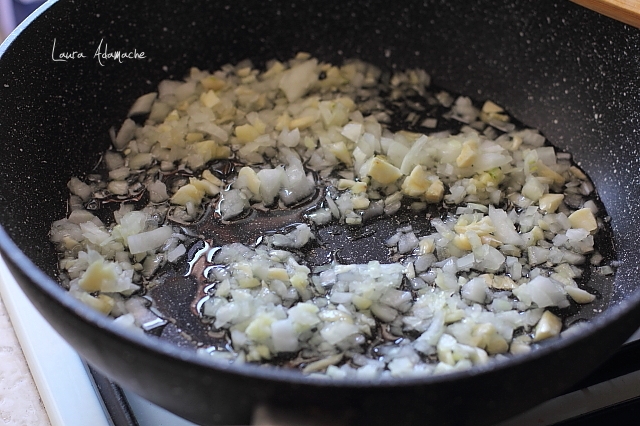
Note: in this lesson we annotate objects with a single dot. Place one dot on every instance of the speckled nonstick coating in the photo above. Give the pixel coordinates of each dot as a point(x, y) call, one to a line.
point(553, 65)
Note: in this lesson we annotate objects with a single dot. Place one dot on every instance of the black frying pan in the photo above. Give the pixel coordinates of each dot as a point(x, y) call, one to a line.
point(555, 66)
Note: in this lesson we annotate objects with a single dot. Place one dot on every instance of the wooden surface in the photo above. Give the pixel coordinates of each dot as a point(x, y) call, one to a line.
point(627, 11)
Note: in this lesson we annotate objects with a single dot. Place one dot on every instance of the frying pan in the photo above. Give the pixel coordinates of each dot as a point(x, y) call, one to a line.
point(555, 66)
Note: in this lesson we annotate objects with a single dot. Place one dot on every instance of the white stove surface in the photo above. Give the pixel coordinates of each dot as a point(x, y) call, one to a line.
point(63, 381)
point(71, 399)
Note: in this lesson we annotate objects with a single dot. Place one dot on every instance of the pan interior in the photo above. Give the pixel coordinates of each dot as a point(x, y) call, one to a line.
point(570, 74)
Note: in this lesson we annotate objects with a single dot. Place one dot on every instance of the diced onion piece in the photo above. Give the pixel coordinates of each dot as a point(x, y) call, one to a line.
point(157, 191)
point(283, 336)
point(271, 181)
point(188, 194)
point(297, 80)
point(80, 216)
point(352, 131)
point(505, 230)
point(98, 275)
point(143, 104)
point(125, 134)
point(140, 161)
point(579, 295)
point(550, 202)
point(381, 170)
point(118, 187)
point(583, 218)
point(542, 291)
point(79, 188)
point(468, 153)
point(176, 253)
point(533, 189)
point(335, 332)
point(475, 290)
point(548, 326)
point(232, 204)
point(101, 303)
point(150, 240)
point(248, 178)
point(322, 364)
point(209, 99)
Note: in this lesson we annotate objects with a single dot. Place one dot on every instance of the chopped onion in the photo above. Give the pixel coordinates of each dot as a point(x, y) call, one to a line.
point(145, 241)
point(505, 244)
point(143, 104)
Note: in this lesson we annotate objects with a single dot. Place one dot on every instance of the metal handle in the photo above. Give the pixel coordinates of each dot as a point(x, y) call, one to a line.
point(627, 11)
point(268, 415)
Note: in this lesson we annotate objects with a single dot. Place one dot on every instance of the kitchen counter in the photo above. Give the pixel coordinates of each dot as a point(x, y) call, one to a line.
point(20, 402)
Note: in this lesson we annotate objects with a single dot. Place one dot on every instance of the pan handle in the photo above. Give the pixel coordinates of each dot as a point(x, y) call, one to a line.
point(627, 11)
point(268, 415)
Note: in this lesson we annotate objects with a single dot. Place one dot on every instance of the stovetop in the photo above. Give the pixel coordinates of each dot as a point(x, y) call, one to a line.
point(610, 394)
